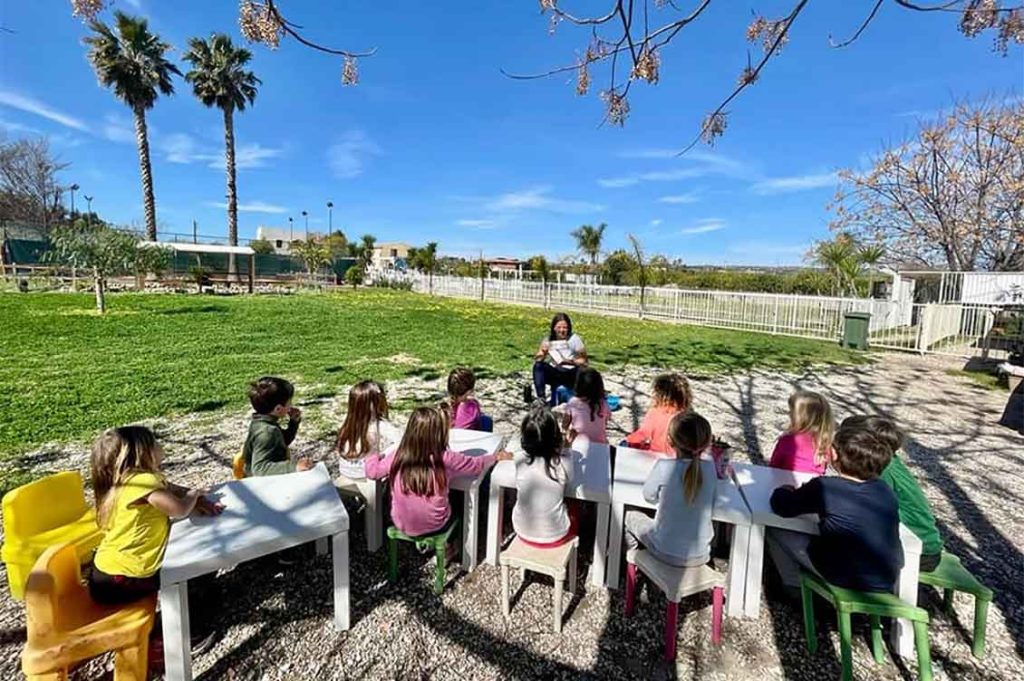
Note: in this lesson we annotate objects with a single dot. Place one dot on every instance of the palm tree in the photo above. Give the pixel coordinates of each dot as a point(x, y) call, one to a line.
point(845, 260)
point(588, 241)
point(219, 78)
point(132, 62)
point(367, 242)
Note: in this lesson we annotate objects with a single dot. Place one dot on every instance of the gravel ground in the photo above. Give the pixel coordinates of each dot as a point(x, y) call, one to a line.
point(276, 623)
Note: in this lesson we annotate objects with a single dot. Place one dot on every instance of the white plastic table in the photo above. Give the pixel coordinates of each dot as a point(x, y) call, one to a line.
point(757, 483)
point(261, 515)
point(471, 443)
point(590, 481)
point(632, 467)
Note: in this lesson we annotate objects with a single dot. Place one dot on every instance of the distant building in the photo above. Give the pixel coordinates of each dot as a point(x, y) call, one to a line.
point(504, 264)
point(279, 237)
point(390, 256)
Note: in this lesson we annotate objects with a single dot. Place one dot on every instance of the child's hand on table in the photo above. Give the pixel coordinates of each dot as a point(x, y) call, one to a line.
point(303, 464)
point(503, 455)
point(206, 506)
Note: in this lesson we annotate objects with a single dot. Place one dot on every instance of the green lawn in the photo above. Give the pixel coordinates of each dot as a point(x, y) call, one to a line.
point(67, 372)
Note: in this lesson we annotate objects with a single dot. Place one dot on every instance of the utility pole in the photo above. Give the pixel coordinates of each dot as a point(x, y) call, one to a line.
point(305, 215)
point(330, 217)
point(195, 231)
point(88, 202)
point(291, 232)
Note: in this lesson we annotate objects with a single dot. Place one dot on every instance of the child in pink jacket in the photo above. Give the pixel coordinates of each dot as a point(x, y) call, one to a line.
point(419, 470)
point(670, 396)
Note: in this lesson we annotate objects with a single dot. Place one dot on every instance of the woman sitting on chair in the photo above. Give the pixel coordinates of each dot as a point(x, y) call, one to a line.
point(558, 358)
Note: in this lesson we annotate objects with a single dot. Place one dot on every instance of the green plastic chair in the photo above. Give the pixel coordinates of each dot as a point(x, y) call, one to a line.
point(950, 576)
point(438, 542)
point(875, 606)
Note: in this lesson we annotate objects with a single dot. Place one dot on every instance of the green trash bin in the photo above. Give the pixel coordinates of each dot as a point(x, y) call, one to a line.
point(855, 330)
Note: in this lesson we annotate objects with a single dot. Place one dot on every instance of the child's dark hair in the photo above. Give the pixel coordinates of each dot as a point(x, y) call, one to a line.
point(690, 434)
point(860, 452)
point(540, 437)
point(269, 392)
point(883, 428)
point(672, 390)
point(590, 388)
point(460, 381)
point(560, 317)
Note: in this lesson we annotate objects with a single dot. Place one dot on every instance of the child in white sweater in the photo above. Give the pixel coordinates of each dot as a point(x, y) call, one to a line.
point(540, 517)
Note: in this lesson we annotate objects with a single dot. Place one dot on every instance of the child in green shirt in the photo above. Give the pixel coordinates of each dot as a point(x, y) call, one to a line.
point(915, 511)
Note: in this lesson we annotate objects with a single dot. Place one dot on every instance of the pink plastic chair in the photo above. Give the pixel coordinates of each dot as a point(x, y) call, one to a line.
point(677, 583)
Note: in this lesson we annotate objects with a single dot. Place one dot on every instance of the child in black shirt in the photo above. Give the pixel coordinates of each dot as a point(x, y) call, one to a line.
point(859, 545)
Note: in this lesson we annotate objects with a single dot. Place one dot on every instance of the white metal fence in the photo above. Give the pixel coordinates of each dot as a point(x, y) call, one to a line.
point(958, 329)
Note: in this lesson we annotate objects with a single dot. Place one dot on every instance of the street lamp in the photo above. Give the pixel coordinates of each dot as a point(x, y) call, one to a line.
point(88, 203)
point(74, 188)
point(306, 216)
point(330, 217)
point(291, 235)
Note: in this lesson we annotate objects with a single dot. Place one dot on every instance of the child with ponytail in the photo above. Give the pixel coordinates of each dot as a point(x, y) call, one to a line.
point(680, 533)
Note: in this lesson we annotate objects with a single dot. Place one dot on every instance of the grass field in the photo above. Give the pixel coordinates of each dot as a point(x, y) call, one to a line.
point(67, 372)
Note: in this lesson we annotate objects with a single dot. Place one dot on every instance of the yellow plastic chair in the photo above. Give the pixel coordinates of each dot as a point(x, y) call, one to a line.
point(66, 627)
point(43, 513)
point(238, 465)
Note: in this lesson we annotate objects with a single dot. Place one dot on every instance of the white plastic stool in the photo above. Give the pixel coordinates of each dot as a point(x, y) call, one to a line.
point(677, 583)
point(373, 492)
point(550, 561)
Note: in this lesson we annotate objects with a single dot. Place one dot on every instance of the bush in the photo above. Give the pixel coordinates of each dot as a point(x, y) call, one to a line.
point(397, 284)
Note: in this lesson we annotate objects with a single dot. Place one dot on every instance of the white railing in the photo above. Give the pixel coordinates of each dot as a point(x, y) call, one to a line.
point(960, 329)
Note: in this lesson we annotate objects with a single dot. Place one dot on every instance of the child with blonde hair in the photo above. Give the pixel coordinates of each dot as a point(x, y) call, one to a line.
point(419, 470)
point(366, 429)
point(680, 533)
point(134, 507)
point(671, 395)
point(806, 446)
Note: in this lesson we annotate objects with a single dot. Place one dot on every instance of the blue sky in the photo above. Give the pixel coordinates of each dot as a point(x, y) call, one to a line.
point(435, 144)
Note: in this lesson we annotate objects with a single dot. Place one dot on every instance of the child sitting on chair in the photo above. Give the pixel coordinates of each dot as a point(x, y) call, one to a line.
point(671, 395)
point(464, 408)
point(266, 447)
point(419, 470)
point(806, 446)
point(859, 543)
point(134, 506)
point(681, 531)
point(915, 511)
point(587, 412)
point(365, 431)
point(540, 517)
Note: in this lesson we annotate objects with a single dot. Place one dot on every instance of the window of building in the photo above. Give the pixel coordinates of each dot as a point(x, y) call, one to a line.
point(278, 242)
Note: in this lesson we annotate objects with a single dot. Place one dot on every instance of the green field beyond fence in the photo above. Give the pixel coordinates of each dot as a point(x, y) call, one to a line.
point(67, 372)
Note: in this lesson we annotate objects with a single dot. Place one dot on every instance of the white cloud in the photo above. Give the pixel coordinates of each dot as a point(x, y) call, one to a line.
point(477, 224)
point(796, 183)
point(649, 153)
point(180, 147)
point(118, 129)
point(349, 155)
point(251, 207)
point(679, 198)
point(12, 126)
point(27, 104)
point(704, 226)
point(616, 182)
point(655, 222)
point(538, 198)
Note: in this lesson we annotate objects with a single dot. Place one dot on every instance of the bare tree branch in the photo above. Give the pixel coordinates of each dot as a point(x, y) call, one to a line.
point(863, 26)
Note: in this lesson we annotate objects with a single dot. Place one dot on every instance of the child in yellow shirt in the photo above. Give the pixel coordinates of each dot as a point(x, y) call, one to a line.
point(134, 505)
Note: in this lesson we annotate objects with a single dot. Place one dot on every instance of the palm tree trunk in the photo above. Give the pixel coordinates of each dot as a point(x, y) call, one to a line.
point(229, 166)
point(146, 171)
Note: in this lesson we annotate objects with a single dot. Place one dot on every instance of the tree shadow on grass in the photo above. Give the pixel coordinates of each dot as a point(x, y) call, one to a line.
point(202, 309)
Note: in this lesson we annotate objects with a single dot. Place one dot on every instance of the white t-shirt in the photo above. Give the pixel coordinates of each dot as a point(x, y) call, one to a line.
point(382, 435)
point(564, 350)
point(540, 515)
